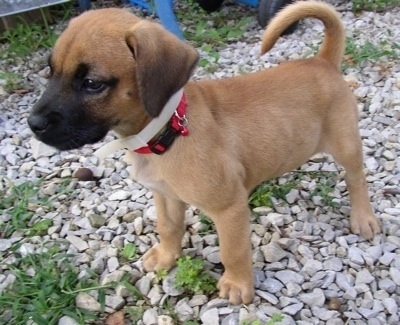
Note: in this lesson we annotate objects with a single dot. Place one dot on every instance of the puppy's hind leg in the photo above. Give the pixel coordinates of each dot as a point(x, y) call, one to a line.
point(344, 143)
point(171, 228)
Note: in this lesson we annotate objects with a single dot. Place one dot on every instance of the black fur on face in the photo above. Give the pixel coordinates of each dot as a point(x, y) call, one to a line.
point(65, 115)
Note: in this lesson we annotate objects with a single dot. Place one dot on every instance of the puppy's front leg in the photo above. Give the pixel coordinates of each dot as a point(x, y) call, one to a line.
point(233, 227)
point(170, 227)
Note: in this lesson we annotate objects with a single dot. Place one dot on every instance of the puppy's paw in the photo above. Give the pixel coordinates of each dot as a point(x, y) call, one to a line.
point(158, 258)
point(238, 292)
point(366, 225)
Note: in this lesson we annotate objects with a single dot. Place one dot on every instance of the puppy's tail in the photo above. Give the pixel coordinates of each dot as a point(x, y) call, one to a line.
point(332, 48)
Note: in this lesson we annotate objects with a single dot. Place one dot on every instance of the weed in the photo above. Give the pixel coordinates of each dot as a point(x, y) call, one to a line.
point(129, 251)
point(192, 277)
point(190, 322)
point(160, 275)
point(275, 319)
point(27, 37)
point(45, 287)
point(324, 189)
point(210, 31)
point(207, 224)
point(355, 54)
point(263, 194)
point(373, 5)
point(19, 201)
point(12, 81)
point(135, 313)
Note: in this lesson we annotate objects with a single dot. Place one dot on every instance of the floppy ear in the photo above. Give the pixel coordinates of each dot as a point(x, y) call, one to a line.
point(164, 63)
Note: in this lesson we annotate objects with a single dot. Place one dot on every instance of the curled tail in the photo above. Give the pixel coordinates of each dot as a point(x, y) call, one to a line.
point(332, 48)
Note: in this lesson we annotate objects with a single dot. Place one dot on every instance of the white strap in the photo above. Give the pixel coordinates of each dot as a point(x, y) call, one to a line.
point(141, 139)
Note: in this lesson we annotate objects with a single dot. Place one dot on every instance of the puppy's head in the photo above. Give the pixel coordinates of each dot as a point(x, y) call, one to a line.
point(109, 70)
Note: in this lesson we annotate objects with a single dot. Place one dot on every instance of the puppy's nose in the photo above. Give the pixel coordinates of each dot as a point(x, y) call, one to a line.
point(38, 124)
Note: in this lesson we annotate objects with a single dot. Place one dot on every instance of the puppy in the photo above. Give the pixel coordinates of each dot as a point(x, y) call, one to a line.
point(206, 143)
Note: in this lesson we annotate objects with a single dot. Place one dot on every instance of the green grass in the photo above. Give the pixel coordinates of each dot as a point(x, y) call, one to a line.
point(20, 201)
point(45, 288)
point(266, 192)
point(356, 54)
point(11, 80)
point(210, 31)
point(192, 277)
point(28, 37)
point(373, 5)
point(129, 251)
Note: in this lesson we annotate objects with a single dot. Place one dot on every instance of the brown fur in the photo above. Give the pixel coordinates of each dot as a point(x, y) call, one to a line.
point(243, 130)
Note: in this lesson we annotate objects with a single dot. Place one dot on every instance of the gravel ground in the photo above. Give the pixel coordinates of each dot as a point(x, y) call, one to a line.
point(308, 266)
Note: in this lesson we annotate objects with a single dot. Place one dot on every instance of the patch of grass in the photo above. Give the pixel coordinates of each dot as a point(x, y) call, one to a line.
point(192, 277)
point(373, 5)
point(11, 80)
point(207, 224)
point(161, 275)
point(20, 203)
point(45, 288)
point(275, 319)
point(129, 251)
point(356, 54)
point(210, 31)
point(263, 194)
point(324, 189)
point(135, 313)
point(27, 37)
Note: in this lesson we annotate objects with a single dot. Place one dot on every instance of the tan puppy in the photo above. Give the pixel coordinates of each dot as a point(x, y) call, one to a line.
point(111, 70)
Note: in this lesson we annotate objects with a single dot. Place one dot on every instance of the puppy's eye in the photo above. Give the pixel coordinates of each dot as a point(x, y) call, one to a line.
point(93, 86)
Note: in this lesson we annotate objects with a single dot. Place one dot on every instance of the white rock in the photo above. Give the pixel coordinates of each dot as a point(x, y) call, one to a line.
point(85, 301)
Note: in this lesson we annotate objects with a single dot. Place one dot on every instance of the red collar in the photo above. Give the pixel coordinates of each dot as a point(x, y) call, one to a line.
point(177, 125)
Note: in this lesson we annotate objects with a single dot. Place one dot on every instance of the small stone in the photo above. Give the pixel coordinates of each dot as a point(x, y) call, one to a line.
point(286, 276)
point(395, 275)
point(368, 313)
point(66, 320)
point(334, 304)
point(323, 313)
point(312, 266)
point(387, 284)
point(77, 242)
point(115, 276)
point(150, 317)
point(119, 195)
point(390, 305)
point(210, 317)
point(112, 264)
point(293, 309)
point(115, 302)
point(85, 301)
point(97, 220)
point(267, 296)
point(364, 276)
point(273, 252)
point(183, 309)
point(143, 285)
point(314, 298)
point(97, 265)
point(271, 285)
point(165, 320)
point(83, 174)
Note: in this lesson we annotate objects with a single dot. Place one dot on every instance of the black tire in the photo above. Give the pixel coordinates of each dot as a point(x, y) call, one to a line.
point(268, 9)
point(210, 5)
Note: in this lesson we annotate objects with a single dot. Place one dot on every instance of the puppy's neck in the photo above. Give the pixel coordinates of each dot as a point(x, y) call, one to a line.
point(149, 132)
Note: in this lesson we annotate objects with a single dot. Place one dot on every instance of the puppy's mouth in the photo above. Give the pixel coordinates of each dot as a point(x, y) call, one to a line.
point(63, 135)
